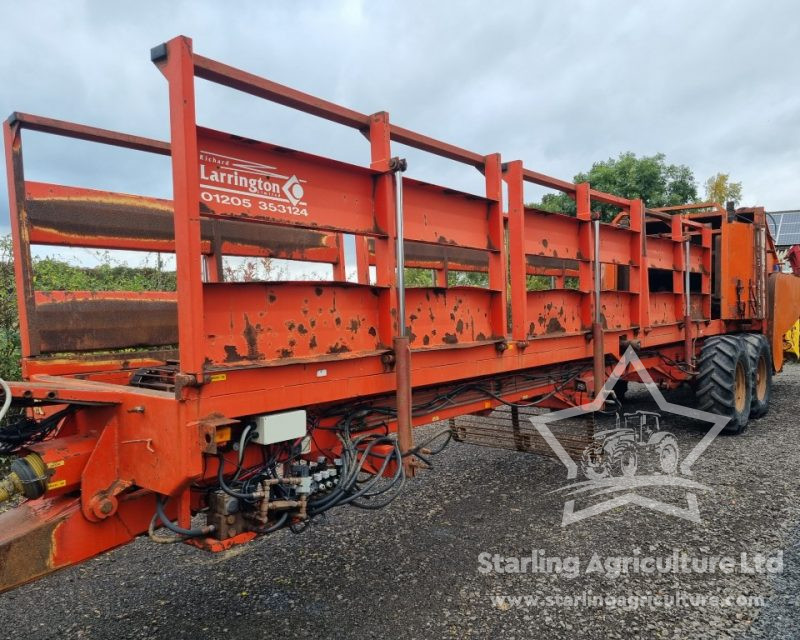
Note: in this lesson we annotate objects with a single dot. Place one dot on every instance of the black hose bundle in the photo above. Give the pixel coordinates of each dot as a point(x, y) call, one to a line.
point(363, 488)
point(181, 533)
point(20, 430)
point(367, 455)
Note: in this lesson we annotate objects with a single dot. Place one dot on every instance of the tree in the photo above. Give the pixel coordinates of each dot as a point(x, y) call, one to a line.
point(720, 189)
point(649, 177)
point(9, 318)
point(52, 274)
point(415, 277)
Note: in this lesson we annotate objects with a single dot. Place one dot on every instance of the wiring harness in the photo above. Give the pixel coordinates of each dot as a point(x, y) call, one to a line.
point(364, 468)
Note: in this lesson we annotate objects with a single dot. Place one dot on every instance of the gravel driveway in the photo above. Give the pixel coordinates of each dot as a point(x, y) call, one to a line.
point(412, 570)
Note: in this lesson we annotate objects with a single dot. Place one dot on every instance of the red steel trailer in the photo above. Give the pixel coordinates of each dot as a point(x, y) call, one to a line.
point(260, 405)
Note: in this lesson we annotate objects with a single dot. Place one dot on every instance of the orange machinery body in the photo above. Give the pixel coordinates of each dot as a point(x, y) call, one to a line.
point(160, 379)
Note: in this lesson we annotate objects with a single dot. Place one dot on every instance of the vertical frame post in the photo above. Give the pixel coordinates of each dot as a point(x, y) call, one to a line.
point(362, 259)
point(23, 267)
point(641, 276)
point(440, 276)
point(400, 251)
point(340, 266)
point(585, 278)
point(680, 282)
point(516, 248)
point(402, 346)
point(214, 269)
point(678, 265)
point(497, 259)
point(391, 327)
point(687, 319)
point(589, 277)
point(598, 342)
point(176, 63)
point(385, 258)
point(705, 288)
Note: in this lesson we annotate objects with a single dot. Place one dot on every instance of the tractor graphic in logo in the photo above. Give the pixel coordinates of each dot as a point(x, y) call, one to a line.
point(637, 441)
point(637, 462)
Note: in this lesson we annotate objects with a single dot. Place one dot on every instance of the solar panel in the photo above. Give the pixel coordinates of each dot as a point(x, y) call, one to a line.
point(784, 227)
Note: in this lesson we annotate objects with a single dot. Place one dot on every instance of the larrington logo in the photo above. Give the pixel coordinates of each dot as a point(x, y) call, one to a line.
point(243, 183)
point(613, 460)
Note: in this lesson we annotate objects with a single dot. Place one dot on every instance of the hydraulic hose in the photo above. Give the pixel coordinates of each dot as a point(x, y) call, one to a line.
point(225, 487)
point(188, 533)
point(6, 399)
point(281, 521)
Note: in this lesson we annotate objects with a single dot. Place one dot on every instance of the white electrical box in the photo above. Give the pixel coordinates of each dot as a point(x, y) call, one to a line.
point(279, 427)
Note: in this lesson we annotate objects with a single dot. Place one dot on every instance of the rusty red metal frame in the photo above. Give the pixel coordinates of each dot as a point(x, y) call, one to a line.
point(49, 214)
point(254, 348)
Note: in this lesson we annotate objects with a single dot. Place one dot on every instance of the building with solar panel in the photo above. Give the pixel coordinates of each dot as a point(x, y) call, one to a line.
point(785, 229)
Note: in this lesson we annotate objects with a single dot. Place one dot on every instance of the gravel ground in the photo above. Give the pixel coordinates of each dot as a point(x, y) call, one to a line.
point(412, 570)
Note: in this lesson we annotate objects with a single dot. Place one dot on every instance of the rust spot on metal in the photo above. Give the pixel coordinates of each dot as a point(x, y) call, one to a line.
point(480, 336)
point(450, 338)
point(231, 354)
point(338, 348)
point(426, 340)
point(28, 554)
point(251, 338)
point(460, 326)
point(301, 329)
point(97, 214)
point(286, 353)
point(554, 326)
point(318, 291)
point(115, 324)
point(272, 297)
point(313, 342)
point(372, 331)
point(355, 325)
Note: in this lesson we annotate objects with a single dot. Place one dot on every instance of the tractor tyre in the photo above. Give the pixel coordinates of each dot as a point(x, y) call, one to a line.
point(724, 381)
point(593, 465)
point(758, 353)
point(628, 462)
point(668, 454)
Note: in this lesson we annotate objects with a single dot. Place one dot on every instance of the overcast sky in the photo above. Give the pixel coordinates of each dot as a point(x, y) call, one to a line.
point(713, 85)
